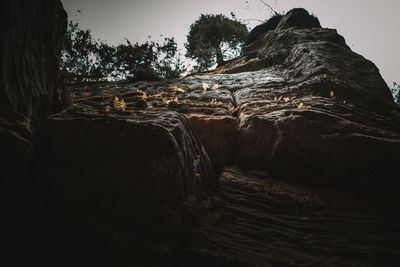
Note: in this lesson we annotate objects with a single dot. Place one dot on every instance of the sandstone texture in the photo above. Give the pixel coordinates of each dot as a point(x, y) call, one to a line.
point(285, 156)
point(304, 137)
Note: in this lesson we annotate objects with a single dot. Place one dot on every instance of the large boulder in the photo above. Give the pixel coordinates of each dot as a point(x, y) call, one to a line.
point(298, 17)
point(259, 30)
point(207, 102)
point(326, 118)
point(107, 167)
point(32, 33)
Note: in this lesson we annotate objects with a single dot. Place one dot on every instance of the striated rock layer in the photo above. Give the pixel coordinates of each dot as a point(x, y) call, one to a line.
point(129, 174)
point(304, 123)
point(330, 119)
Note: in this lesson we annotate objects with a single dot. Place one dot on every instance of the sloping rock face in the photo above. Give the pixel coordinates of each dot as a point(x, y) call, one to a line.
point(128, 171)
point(32, 33)
point(105, 164)
point(260, 221)
point(330, 119)
point(261, 29)
point(298, 17)
point(312, 137)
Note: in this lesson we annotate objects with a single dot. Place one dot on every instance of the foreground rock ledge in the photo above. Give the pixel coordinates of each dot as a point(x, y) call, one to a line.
point(105, 166)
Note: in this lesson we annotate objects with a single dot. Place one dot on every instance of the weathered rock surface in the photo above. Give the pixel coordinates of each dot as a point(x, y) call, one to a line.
point(32, 33)
point(302, 120)
point(261, 29)
point(260, 221)
point(109, 166)
point(207, 110)
point(329, 119)
point(298, 17)
point(305, 122)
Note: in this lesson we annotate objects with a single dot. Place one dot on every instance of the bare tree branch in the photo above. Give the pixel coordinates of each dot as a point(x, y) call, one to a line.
point(266, 4)
point(254, 20)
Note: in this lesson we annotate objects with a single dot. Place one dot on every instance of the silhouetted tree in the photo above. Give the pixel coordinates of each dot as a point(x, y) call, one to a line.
point(78, 58)
point(214, 38)
point(85, 59)
point(148, 61)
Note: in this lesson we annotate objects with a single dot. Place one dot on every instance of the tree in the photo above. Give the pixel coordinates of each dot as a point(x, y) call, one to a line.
point(85, 59)
point(79, 55)
point(148, 61)
point(213, 39)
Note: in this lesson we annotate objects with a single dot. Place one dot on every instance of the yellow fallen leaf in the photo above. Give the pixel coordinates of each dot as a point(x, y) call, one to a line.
point(108, 108)
point(344, 101)
point(205, 86)
point(116, 102)
point(176, 100)
point(119, 105)
point(231, 108)
point(301, 105)
point(122, 105)
point(178, 89)
point(293, 98)
point(332, 94)
point(144, 96)
point(275, 99)
point(279, 98)
point(286, 99)
point(215, 87)
point(215, 102)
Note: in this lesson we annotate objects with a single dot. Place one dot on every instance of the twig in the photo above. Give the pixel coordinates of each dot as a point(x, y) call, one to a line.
point(262, 1)
point(255, 20)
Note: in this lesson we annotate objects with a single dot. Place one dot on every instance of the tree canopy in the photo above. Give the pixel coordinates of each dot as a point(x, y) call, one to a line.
point(214, 39)
point(85, 59)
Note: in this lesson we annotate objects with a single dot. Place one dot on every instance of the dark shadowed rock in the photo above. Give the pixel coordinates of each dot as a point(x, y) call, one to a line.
point(218, 135)
point(259, 30)
point(109, 167)
point(31, 39)
point(330, 119)
point(31, 33)
point(260, 221)
point(305, 121)
point(298, 17)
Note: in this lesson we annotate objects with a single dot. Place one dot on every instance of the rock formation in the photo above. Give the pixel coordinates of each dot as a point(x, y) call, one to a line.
point(312, 133)
point(259, 30)
point(32, 34)
point(284, 156)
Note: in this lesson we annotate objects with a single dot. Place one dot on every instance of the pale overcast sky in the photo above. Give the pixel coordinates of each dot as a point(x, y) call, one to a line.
point(370, 27)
